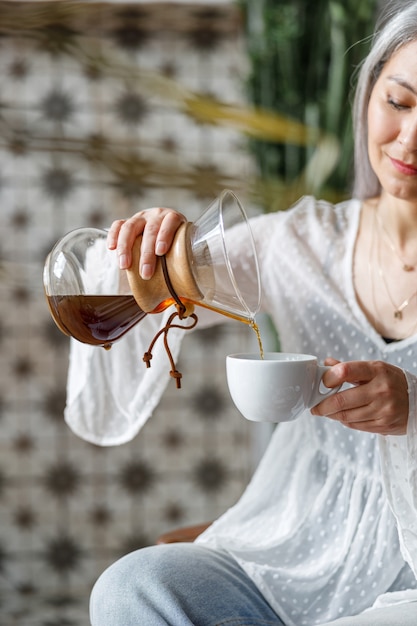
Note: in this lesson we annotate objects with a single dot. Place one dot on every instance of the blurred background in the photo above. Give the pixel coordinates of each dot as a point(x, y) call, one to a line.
point(107, 108)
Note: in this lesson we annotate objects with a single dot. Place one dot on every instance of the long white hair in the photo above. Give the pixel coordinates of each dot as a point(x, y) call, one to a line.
point(396, 26)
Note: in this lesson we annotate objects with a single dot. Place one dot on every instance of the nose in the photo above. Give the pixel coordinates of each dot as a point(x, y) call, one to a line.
point(408, 133)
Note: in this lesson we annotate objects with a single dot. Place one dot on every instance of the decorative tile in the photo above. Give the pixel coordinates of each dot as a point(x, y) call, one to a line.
point(83, 145)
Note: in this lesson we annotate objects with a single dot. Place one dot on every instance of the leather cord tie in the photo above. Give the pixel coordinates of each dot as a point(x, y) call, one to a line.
point(181, 314)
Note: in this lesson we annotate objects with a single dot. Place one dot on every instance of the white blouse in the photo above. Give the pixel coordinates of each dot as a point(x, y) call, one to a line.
point(327, 527)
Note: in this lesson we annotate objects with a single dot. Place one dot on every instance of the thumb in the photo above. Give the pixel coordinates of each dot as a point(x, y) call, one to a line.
point(332, 378)
point(330, 361)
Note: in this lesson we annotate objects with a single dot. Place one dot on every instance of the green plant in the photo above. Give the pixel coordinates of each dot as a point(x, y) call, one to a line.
point(303, 55)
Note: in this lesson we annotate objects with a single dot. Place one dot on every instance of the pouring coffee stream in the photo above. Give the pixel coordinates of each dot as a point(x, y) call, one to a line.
point(93, 301)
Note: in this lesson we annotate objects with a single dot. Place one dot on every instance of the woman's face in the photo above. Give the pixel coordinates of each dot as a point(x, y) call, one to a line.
point(392, 125)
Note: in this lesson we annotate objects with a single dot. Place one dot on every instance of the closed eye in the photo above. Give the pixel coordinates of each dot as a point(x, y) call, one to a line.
point(397, 105)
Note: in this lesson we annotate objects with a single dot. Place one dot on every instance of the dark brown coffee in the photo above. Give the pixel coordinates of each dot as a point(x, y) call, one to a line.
point(102, 320)
point(96, 320)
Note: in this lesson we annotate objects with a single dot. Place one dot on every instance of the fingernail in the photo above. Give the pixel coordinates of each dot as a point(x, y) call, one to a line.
point(146, 271)
point(123, 262)
point(160, 248)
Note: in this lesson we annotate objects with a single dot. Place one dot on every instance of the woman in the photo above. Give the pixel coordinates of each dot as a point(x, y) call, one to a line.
point(327, 527)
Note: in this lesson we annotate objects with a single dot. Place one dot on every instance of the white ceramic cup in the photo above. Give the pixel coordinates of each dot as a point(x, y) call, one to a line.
point(277, 388)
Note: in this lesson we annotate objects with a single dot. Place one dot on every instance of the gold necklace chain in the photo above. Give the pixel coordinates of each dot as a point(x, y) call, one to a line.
point(407, 267)
point(398, 310)
point(371, 275)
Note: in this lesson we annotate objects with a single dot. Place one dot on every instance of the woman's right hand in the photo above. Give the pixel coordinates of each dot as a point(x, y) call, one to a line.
point(157, 226)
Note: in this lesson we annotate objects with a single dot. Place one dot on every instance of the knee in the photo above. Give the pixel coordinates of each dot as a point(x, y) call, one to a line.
point(116, 593)
point(140, 583)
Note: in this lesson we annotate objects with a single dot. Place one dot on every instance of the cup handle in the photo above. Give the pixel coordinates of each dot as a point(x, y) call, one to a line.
point(320, 391)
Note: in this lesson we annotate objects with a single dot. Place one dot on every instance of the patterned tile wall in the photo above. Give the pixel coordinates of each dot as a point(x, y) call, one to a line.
point(93, 127)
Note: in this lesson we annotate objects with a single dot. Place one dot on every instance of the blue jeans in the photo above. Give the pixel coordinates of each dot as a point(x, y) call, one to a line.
point(180, 585)
point(185, 584)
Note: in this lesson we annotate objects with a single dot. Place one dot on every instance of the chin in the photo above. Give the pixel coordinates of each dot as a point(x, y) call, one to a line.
point(404, 189)
point(403, 194)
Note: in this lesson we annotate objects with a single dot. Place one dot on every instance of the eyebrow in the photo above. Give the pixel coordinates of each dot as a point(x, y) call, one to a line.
point(403, 83)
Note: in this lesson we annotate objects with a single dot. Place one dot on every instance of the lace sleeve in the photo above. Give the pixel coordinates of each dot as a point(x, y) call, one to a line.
point(111, 394)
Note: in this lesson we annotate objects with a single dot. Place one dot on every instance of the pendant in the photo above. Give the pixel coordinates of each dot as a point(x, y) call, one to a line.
point(398, 315)
point(408, 268)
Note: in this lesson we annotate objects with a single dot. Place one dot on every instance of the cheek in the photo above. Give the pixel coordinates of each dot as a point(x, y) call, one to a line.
point(381, 128)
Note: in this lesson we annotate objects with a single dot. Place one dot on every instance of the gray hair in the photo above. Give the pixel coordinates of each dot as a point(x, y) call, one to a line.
point(396, 27)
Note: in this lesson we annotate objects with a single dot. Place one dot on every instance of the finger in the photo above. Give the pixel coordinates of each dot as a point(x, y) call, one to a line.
point(354, 372)
point(346, 405)
point(376, 425)
point(330, 361)
point(128, 231)
point(113, 234)
point(166, 233)
point(156, 241)
point(146, 223)
point(375, 406)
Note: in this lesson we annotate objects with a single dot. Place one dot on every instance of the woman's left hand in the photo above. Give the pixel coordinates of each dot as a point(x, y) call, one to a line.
point(377, 402)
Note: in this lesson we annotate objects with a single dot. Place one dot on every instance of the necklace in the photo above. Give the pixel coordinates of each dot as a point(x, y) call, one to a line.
point(398, 308)
point(407, 267)
point(374, 260)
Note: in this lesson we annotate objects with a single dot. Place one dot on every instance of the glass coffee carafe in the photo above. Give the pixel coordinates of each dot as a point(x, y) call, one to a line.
point(95, 302)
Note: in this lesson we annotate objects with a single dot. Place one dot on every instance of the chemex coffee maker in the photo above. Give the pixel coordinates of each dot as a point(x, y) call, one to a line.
point(93, 301)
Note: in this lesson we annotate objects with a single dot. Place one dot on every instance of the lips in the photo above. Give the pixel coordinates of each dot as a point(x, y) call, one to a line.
point(404, 168)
